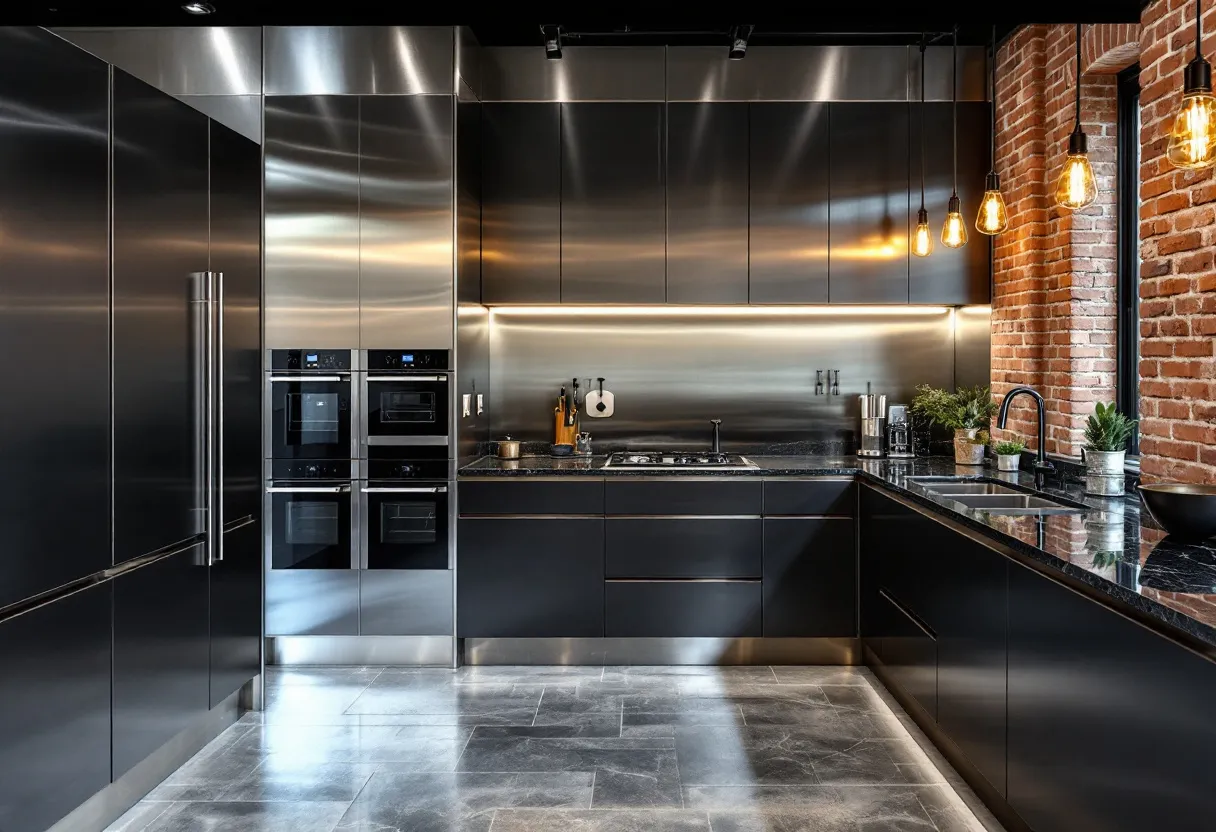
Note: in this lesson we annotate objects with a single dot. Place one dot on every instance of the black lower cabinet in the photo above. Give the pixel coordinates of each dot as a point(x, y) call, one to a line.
point(525, 577)
point(909, 651)
point(810, 577)
point(236, 612)
point(701, 547)
point(55, 713)
point(674, 609)
point(1110, 724)
point(161, 654)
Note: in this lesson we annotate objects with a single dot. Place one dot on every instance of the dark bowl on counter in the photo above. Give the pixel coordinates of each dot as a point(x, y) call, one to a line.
point(1186, 511)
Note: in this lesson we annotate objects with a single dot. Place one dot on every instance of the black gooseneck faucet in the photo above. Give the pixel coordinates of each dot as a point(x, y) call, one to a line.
point(1041, 466)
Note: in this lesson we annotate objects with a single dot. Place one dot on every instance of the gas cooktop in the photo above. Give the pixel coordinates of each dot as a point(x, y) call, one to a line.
point(683, 460)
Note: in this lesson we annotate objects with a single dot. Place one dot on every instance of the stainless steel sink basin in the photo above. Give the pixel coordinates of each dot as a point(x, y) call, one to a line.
point(994, 496)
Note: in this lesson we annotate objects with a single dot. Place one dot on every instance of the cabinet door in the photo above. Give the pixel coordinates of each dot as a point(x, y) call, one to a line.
point(521, 203)
point(614, 217)
point(909, 651)
point(951, 276)
point(1110, 724)
point(788, 202)
point(707, 176)
point(530, 578)
point(236, 611)
point(161, 654)
point(868, 257)
point(682, 609)
point(810, 577)
point(693, 547)
point(55, 716)
point(733, 496)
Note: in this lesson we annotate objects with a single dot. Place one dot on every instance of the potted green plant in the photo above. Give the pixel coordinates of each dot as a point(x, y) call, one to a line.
point(1008, 454)
point(1106, 434)
point(967, 411)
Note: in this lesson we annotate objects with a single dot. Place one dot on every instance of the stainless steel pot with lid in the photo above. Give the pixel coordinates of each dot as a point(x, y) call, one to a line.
point(508, 448)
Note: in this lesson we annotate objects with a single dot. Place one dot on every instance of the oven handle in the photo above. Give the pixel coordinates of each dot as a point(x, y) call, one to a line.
point(308, 378)
point(335, 489)
point(407, 378)
point(434, 489)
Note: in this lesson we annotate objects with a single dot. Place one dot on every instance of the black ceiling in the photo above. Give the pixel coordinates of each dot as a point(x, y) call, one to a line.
point(874, 21)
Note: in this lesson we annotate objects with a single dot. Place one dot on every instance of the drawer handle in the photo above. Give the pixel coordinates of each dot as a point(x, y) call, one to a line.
point(911, 616)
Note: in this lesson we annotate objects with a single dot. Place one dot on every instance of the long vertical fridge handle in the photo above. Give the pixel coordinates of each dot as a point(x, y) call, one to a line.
point(215, 511)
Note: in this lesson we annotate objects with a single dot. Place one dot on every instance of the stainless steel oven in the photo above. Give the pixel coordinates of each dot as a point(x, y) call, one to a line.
point(312, 406)
point(404, 507)
point(406, 397)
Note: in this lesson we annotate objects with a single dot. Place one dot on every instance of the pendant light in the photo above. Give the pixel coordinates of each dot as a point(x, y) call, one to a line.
point(954, 230)
point(992, 218)
point(1193, 139)
point(922, 240)
point(1077, 186)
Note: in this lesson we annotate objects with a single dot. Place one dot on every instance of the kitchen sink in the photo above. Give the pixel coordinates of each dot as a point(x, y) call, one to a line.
point(994, 496)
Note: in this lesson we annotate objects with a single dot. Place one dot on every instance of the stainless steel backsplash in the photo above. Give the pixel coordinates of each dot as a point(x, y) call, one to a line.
point(674, 369)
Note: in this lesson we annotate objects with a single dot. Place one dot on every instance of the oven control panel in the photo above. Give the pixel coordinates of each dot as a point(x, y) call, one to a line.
point(288, 469)
point(310, 360)
point(406, 359)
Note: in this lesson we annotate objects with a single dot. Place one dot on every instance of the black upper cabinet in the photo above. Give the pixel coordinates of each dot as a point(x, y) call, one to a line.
point(870, 224)
point(521, 203)
point(951, 276)
point(613, 209)
point(707, 203)
point(790, 160)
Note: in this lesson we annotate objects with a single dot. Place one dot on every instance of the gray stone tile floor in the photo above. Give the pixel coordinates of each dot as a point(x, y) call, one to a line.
point(567, 749)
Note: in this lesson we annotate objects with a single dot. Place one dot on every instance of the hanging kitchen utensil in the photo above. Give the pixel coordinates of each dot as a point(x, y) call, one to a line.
point(599, 403)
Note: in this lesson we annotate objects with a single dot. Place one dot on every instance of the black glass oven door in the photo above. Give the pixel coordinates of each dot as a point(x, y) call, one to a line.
point(404, 407)
point(406, 527)
point(311, 417)
point(310, 527)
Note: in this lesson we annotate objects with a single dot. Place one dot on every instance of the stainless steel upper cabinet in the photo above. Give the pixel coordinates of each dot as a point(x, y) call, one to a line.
point(951, 276)
point(521, 203)
point(868, 253)
point(790, 169)
point(406, 195)
point(312, 222)
point(54, 323)
point(160, 220)
point(707, 208)
point(613, 213)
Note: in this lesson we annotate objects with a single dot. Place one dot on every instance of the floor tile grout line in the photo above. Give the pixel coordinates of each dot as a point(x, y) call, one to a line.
point(591, 799)
point(538, 702)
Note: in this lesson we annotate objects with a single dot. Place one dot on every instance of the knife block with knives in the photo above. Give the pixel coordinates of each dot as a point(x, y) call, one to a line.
point(565, 416)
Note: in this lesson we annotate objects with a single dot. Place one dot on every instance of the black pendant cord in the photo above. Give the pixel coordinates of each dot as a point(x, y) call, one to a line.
point(1198, 29)
point(1078, 124)
point(993, 93)
point(922, 121)
point(954, 106)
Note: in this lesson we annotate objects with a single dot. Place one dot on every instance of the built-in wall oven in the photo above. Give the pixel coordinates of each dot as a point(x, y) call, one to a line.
point(406, 398)
point(311, 405)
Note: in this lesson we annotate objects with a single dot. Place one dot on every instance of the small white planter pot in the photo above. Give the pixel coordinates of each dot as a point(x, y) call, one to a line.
point(966, 451)
point(1008, 462)
point(1104, 473)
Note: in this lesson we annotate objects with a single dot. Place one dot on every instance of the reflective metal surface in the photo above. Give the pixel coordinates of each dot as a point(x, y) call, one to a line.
point(469, 178)
point(181, 60)
point(661, 651)
point(54, 321)
point(359, 60)
point(972, 73)
point(312, 222)
point(707, 203)
point(673, 368)
point(312, 602)
point(613, 210)
point(790, 165)
point(406, 169)
point(521, 203)
point(468, 61)
point(242, 113)
point(789, 73)
point(426, 651)
point(472, 379)
point(972, 345)
point(406, 601)
point(160, 238)
point(588, 73)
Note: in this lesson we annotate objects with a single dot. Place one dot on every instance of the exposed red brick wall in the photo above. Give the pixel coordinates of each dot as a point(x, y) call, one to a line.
point(1054, 312)
point(1178, 282)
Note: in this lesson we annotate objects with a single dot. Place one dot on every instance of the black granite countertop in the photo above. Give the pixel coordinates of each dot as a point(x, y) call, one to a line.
point(1111, 547)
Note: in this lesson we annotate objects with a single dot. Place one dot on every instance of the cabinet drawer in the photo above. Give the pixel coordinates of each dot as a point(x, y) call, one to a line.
point(706, 497)
point(529, 496)
point(702, 547)
point(720, 609)
point(802, 497)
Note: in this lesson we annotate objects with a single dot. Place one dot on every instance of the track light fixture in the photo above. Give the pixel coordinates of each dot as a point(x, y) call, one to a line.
point(552, 34)
point(1193, 139)
point(1077, 186)
point(739, 35)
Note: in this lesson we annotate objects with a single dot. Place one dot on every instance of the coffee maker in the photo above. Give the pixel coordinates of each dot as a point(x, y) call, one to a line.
point(873, 424)
point(899, 432)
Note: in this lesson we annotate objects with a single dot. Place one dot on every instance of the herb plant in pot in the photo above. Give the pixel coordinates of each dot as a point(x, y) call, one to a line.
point(1008, 454)
point(1106, 436)
point(967, 411)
